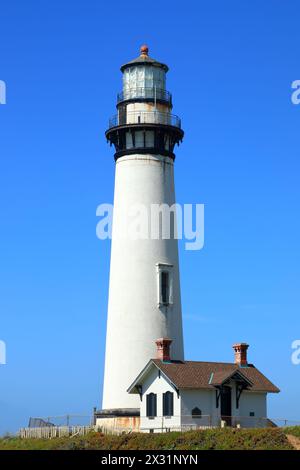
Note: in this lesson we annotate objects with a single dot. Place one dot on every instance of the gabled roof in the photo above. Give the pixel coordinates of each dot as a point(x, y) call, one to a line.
point(221, 377)
point(206, 375)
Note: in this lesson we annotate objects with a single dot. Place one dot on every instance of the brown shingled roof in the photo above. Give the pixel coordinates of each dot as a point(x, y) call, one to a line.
point(220, 377)
point(194, 374)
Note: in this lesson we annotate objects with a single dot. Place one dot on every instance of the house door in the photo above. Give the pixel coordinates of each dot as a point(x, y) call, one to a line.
point(226, 405)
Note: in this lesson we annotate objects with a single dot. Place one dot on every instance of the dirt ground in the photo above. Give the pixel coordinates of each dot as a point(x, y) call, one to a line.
point(294, 441)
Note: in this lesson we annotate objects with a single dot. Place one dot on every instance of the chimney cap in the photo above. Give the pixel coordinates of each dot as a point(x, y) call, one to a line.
point(241, 345)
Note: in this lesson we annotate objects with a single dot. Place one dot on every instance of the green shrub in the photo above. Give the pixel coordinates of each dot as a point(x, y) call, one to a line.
point(214, 439)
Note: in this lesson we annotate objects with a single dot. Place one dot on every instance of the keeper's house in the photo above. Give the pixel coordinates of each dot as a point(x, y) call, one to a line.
point(192, 394)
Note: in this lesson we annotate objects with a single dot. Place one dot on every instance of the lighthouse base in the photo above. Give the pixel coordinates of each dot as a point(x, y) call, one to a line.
point(116, 421)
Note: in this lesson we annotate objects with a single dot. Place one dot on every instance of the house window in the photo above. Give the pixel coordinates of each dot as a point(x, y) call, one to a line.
point(196, 412)
point(165, 284)
point(252, 414)
point(151, 405)
point(168, 404)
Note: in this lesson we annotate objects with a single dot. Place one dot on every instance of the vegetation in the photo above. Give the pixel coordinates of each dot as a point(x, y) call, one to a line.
point(293, 430)
point(209, 439)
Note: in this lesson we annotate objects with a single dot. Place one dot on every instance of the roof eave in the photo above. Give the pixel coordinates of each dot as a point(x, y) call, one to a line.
point(264, 391)
point(131, 388)
point(135, 62)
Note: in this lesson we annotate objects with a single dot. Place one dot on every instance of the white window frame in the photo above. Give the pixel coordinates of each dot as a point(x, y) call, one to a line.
point(164, 267)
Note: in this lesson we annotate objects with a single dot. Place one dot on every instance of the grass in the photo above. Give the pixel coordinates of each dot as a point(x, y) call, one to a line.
point(293, 430)
point(209, 439)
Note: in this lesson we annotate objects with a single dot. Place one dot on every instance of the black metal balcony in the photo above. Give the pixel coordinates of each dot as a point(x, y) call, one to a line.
point(144, 93)
point(144, 117)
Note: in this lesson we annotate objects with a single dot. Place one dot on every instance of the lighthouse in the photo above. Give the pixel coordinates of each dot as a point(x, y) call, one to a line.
point(144, 287)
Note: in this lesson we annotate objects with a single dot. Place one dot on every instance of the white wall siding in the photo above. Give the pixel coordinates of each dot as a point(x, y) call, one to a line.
point(205, 400)
point(253, 402)
point(153, 384)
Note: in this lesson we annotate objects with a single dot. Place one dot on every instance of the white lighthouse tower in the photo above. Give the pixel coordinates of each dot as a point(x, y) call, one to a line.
point(144, 288)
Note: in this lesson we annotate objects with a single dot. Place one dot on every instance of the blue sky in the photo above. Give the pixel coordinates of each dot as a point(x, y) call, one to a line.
point(231, 68)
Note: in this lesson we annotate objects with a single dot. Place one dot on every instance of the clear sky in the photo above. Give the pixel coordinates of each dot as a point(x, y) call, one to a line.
point(231, 68)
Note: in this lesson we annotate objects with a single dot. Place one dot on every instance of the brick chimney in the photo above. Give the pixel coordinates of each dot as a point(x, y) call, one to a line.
point(163, 349)
point(240, 354)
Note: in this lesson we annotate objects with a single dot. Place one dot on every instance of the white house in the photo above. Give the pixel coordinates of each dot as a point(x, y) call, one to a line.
point(192, 394)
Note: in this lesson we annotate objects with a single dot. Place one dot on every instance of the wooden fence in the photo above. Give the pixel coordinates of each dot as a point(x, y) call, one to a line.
point(49, 432)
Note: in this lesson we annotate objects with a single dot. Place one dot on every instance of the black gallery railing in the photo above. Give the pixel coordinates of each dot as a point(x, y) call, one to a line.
point(144, 117)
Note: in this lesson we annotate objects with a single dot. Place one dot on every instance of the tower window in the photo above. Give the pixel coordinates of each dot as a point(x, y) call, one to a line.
point(151, 406)
point(129, 140)
point(150, 139)
point(165, 284)
point(167, 142)
point(139, 139)
point(165, 287)
point(168, 404)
